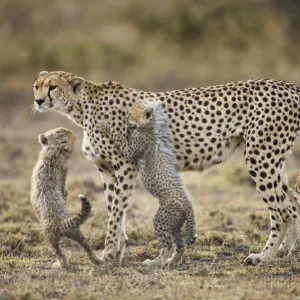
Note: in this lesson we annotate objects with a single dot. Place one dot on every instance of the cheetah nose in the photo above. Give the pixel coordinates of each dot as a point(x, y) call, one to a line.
point(39, 101)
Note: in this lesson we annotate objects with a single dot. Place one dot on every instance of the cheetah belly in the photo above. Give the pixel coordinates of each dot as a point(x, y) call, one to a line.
point(194, 160)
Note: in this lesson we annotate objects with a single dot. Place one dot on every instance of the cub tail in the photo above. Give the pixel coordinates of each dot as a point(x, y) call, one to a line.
point(190, 226)
point(80, 218)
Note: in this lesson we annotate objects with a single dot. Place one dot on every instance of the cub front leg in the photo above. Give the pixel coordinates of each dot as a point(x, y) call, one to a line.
point(125, 174)
point(104, 128)
point(122, 143)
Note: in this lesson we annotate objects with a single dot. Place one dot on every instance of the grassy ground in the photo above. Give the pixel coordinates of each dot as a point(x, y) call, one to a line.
point(231, 222)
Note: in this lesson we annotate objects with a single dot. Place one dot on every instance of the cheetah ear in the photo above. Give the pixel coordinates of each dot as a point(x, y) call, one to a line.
point(42, 73)
point(42, 139)
point(77, 83)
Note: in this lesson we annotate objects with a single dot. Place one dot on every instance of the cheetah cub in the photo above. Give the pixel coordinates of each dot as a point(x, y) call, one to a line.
point(149, 144)
point(48, 194)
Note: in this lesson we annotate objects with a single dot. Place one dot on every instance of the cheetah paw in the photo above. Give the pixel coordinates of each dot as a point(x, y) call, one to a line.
point(253, 259)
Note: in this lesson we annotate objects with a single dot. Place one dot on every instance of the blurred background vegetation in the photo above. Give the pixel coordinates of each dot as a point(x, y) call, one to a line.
point(153, 45)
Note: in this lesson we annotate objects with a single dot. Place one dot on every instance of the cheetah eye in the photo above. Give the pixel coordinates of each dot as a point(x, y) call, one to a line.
point(148, 115)
point(36, 87)
point(52, 87)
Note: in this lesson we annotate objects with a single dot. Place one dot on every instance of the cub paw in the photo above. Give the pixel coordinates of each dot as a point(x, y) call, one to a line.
point(61, 264)
point(108, 255)
point(157, 262)
point(103, 127)
point(96, 260)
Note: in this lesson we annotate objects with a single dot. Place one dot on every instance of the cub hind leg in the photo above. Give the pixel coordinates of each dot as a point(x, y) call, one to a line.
point(77, 236)
point(293, 230)
point(54, 239)
point(179, 249)
point(164, 222)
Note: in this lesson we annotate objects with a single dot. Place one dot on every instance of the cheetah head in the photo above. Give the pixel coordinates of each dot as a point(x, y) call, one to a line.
point(57, 91)
point(58, 138)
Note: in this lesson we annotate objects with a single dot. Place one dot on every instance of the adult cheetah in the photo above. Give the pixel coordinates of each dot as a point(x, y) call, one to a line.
point(149, 144)
point(207, 124)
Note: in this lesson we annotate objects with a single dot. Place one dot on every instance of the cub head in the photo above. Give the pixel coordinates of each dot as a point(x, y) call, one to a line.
point(143, 113)
point(56, 91)
point(58, 138)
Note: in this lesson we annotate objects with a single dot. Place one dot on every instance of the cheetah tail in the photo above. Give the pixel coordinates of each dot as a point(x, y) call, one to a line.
point(80, 218)
point(190, 227)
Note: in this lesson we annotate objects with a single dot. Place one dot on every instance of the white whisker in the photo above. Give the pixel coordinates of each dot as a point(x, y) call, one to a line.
point(33, 110)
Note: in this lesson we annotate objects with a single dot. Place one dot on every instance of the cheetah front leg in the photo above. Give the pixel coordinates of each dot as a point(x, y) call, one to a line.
point(125, 174)
point(108, 178)
point(125, 181)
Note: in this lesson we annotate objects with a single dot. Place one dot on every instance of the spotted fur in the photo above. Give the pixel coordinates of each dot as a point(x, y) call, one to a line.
point(149, 144)
point(48, 193)
point(207, 124)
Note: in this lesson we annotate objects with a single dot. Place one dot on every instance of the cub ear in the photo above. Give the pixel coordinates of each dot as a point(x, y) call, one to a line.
point(77, 83)
point(157, 104)
point(42, 139)
point(42, 73)
point(149, 112)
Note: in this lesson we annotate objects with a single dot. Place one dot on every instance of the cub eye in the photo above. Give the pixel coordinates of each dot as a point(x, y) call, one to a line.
point(52, 87)
point(148, 115)
point(36, 87)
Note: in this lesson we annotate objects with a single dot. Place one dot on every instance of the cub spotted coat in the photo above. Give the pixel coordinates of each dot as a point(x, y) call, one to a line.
point(48, 194)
